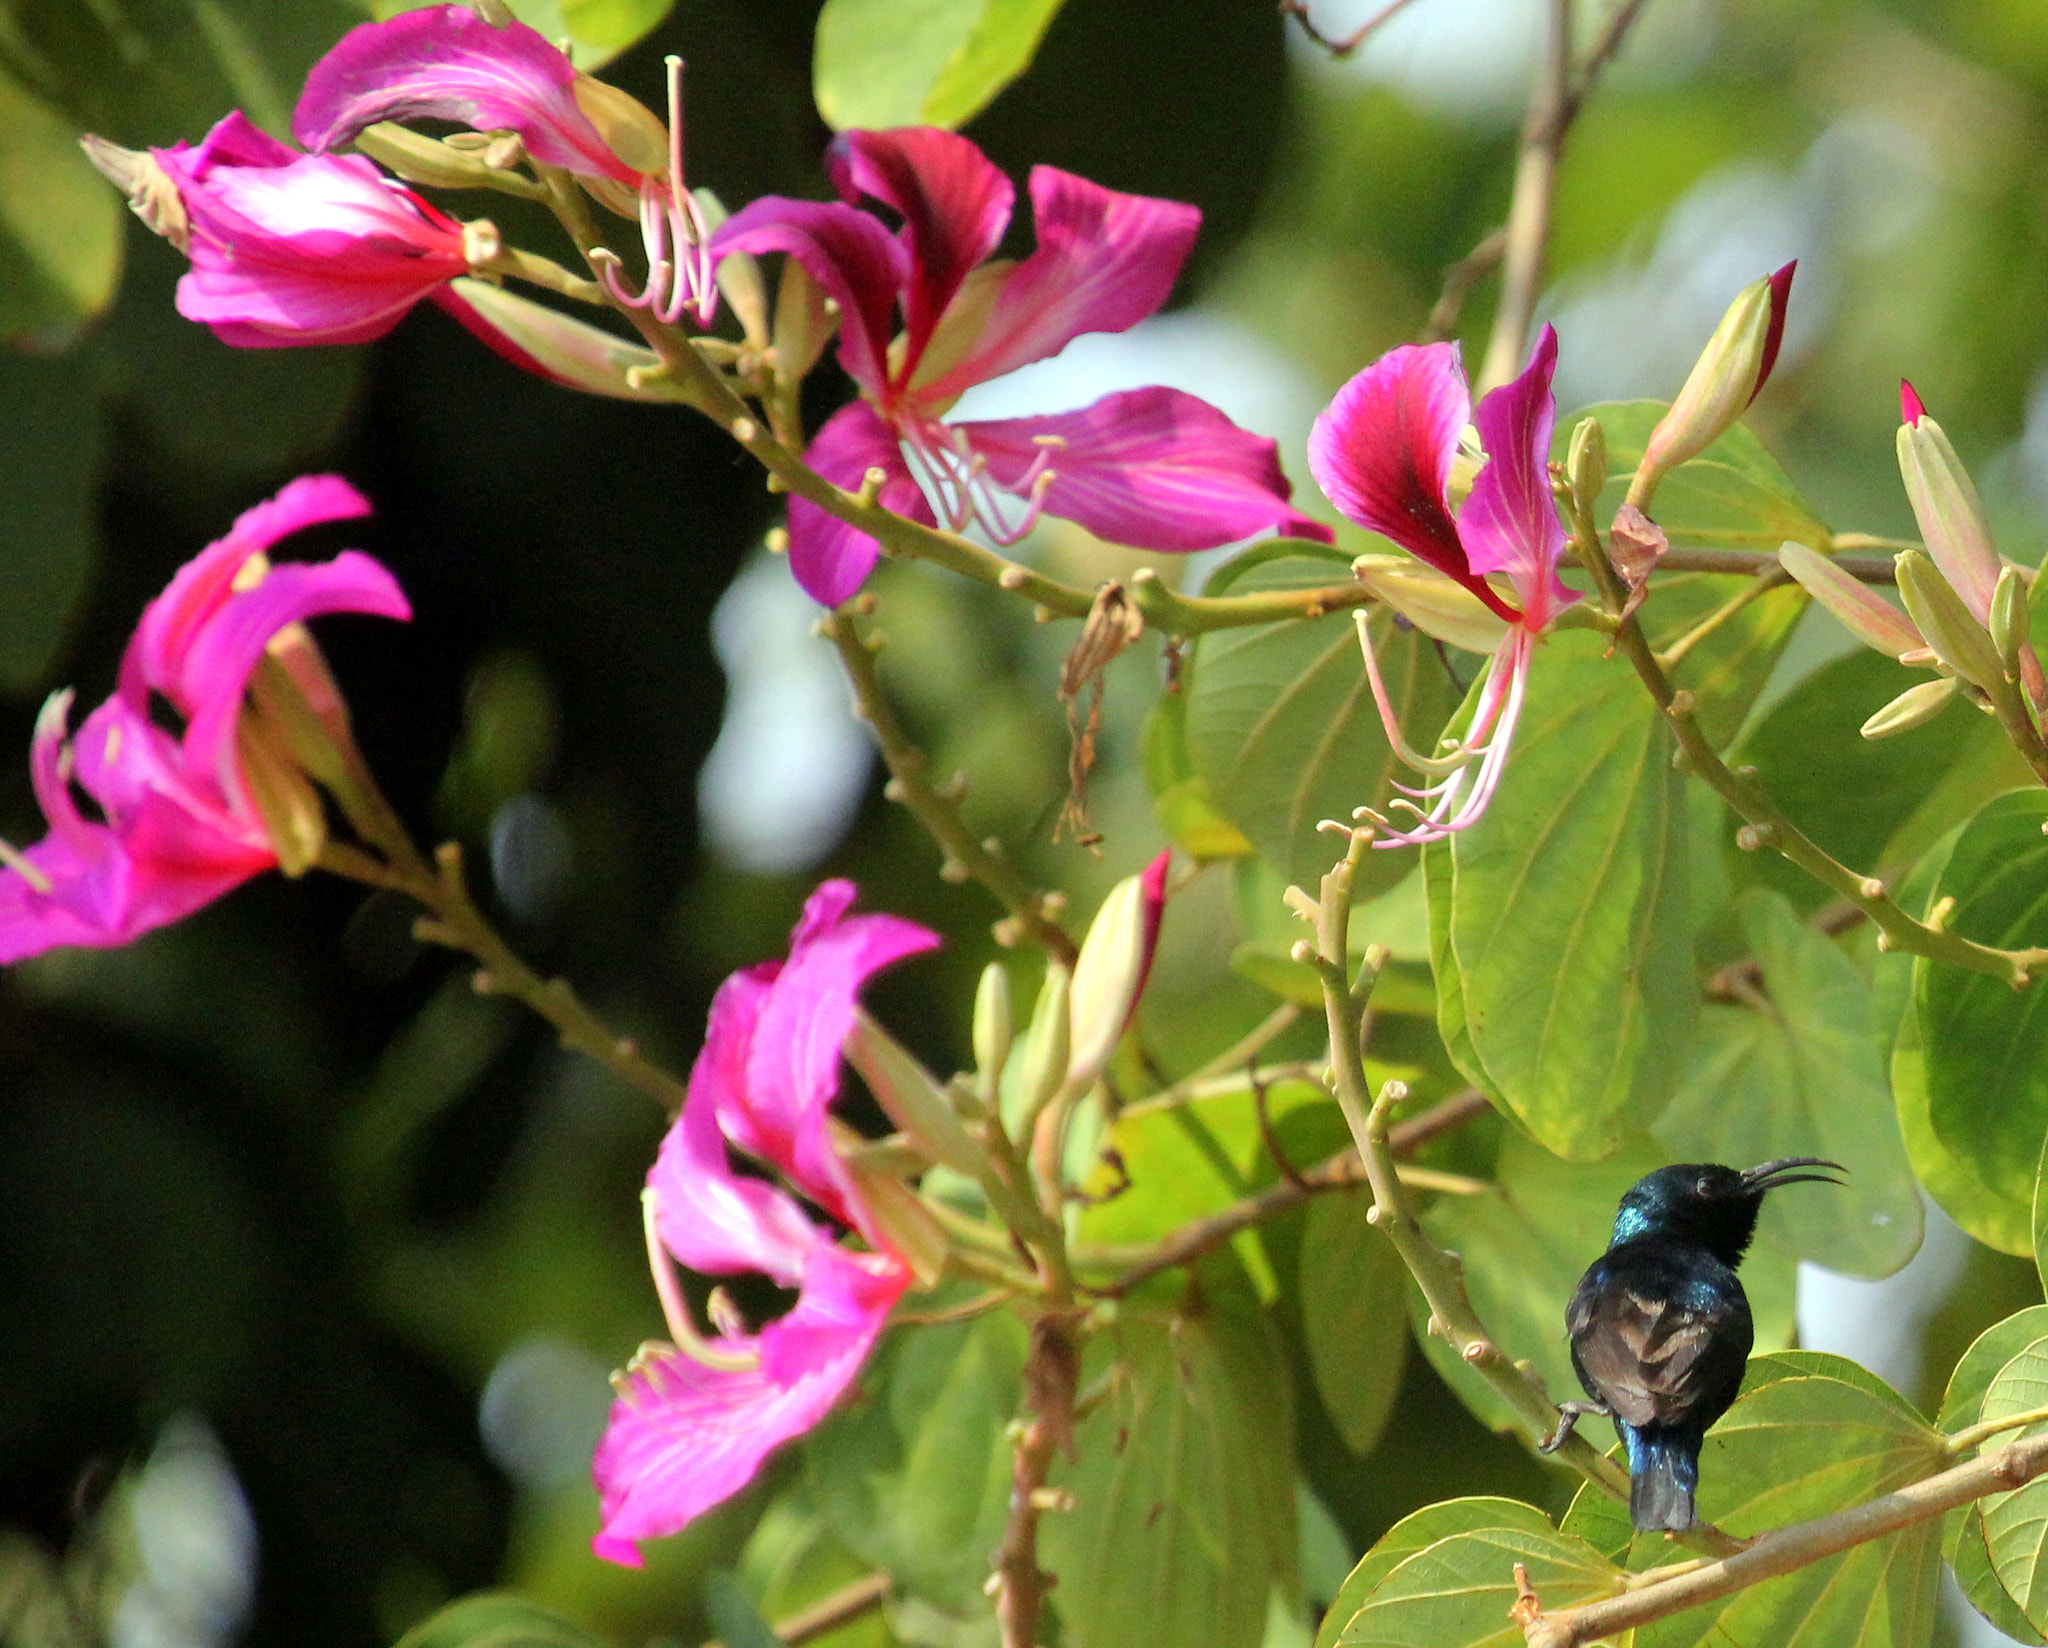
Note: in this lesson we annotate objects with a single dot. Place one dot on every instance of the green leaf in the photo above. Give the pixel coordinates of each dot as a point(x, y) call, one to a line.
point(1445, 1578)
point(1281, 721)
point(1188, 1160)
point(1986, 1045)
point(1963, 1543)
point(886, 63)
point(2015, 1525)
point(1800, 1075)
point(1732, 496)
point(916, 1479)
point(1560, 920)
point(50, 470)
point(1183, 1515)
point(1812, 1434)
point(497, 1619)
point(1180, 795)
point(1993, 1218)
point(1352, 1288)
point(1809, 758)
point(60, 225)
point(1524, 1248)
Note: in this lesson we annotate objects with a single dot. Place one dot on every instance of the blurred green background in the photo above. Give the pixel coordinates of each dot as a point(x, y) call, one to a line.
point(290, 1214)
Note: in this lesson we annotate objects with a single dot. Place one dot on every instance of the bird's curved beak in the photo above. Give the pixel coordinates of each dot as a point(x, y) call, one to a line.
point(1770, 1175)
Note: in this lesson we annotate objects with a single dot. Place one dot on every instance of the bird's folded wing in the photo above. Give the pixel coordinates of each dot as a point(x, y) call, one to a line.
point(1641, 1351)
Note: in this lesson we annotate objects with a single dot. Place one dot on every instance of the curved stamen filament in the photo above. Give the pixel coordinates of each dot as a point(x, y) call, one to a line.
point(1461, 797)
point(669, 215)
point(963, 491)
point(675, 1309)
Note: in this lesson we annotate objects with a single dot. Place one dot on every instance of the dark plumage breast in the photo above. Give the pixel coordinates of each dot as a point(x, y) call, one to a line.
point(1659, 1334)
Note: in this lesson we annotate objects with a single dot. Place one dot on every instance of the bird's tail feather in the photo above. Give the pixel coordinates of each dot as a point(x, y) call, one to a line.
point(1663, 1472)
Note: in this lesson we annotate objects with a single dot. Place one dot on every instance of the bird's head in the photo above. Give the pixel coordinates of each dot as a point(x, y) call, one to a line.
point(1711, 1205)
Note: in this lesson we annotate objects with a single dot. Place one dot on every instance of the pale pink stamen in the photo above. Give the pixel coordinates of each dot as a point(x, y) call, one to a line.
point(675, 1309)
point(1462, 796)
point(963, 493)
point(669, 216)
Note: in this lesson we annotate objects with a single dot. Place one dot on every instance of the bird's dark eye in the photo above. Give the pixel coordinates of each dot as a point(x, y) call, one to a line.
point(1703, 1186)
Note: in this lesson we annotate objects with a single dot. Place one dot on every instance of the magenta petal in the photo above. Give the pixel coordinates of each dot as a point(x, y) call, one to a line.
point(235, 140)
point(447, 63)
point(320, 249)
point(1509, 522)
point(1911, 409)
point(829, 558)
point(859, 263)
point(1382, 452)
point(954, 203)
point(683, 1437)
point(1152, 468)
point(1104, 262)
point(204, 584)
point(217, 669)
point(792, 1073)
point(708, 1216)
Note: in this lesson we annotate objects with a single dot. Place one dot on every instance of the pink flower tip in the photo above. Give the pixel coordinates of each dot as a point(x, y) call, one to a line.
point(1774, 335)
point(1910, 409)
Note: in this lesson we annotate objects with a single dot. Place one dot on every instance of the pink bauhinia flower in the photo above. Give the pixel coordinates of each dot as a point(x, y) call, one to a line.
point(696, 1417)
point(447, 63)
point(180, 821)
point(1153, 468)
point(287, 248)
point(1382, 452)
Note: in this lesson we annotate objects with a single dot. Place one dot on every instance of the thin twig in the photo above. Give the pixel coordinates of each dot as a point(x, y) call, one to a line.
point(1619, 22)
point(1528, 225)
point(828, 1613)
point(1340, 46)
point(1459, 279)
point(1868, 569)
point(454, 922)
point(1030, 912)
point(1736, 980)
point(1784, 1550)
point(1340, 1171)
point(1051, 1374)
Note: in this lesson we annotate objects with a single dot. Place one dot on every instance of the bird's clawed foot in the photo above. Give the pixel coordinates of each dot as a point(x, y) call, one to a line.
point(1568, 1416)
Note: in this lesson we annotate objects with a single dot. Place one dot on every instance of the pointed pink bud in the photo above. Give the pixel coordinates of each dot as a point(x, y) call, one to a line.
point(1910, 409)
point(1110, 975)
point(1781, 295)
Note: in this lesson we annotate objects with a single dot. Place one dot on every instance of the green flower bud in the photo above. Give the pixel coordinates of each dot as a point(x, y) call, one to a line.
point(1914, 707)
point(1866, 614)
point(1115, 960)
point(1949, 626)
point(1735, 364)
point(993, 1027)
point(1044, 1065)
point(2011, 623)
point(1946, 505)
point(1585, 466)
point(421, 159)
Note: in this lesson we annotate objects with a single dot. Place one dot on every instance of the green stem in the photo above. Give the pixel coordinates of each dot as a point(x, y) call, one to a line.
point(1961, 1442)
point(1179, 614)
point(1030, 913)
point(454, 922)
